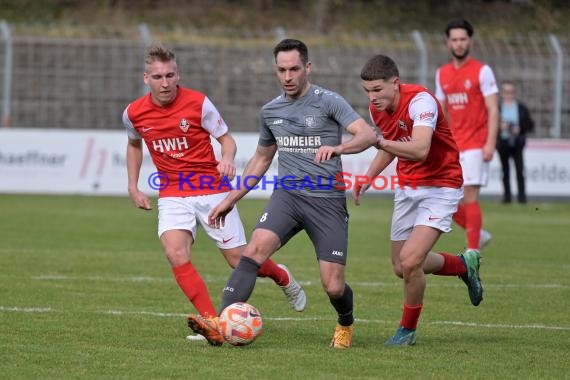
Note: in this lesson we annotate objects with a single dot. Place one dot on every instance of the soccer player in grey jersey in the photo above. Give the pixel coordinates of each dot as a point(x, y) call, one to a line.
point(298, 127)
point(305, 124)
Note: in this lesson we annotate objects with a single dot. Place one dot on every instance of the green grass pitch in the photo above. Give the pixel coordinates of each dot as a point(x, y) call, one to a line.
point(86, 293)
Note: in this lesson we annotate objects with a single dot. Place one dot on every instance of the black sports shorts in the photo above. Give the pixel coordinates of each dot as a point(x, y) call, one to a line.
point(324, 219)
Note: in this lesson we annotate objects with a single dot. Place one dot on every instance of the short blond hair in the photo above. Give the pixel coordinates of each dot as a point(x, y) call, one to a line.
point(158, 52)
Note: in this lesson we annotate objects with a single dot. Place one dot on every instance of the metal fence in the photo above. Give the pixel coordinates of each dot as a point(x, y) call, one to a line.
point(79, 81)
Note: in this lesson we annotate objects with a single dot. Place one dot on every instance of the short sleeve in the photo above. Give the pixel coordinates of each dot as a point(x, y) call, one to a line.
point(131, 131)
point(487, 82)
point(438, 89)
point(212, 121)
point(423, 110)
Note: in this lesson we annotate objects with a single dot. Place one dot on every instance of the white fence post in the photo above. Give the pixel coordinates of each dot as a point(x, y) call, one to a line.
point(8, 69)
point(144, 31)
point(558, 83)
point(423, 57)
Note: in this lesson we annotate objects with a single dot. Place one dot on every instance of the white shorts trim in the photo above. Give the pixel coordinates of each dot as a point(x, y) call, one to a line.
point(185, 213)
point(425, 206)
point(475, 169)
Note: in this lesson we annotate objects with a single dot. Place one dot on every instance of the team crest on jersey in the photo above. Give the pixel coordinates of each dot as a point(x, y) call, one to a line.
point(467, 84)
point(184, 125)
point(402, 125)
point(310, 121)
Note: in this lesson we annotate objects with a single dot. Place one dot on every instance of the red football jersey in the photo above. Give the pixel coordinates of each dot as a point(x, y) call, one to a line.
point(178, 139)
point(464, 89)
point(417, 106)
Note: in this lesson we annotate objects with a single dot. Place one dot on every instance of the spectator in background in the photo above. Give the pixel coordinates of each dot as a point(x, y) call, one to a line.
point(468, 92)
point(515, 123)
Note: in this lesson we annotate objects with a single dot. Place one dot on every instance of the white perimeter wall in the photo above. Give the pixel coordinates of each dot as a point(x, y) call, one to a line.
point(93, 162)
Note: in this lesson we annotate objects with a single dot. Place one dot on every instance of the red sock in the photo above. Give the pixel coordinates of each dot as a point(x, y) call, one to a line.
point(473, 223)
point(271, 270)
point(459, 216)
point(452, 265)
point(194, 288)
point(410, 316)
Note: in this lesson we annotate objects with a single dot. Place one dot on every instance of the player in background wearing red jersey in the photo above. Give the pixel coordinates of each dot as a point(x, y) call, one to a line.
point(468, 91)
point(412, 127)
point(176, 124)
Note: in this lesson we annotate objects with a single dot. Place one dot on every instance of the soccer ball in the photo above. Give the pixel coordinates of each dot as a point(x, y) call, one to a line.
point(240, 324)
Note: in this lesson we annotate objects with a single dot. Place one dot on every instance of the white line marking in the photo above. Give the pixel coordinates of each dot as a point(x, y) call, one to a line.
point(456, 284)
point(27, 309)
point(154, 314)
point(500, 326)
point(294, 319)
point(102, 278)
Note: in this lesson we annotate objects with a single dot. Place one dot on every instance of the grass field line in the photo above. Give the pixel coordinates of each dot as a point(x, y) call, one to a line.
point(304, 283)
point(293, 319)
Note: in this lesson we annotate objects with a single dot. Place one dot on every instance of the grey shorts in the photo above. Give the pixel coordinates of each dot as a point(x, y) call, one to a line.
point(324, 219)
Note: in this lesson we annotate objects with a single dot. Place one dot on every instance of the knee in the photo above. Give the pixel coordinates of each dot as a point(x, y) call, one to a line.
point(232, 256)
point(396, 266)
point(398, 270)
point(177, 256)
point(334, 290)
point(409, 266)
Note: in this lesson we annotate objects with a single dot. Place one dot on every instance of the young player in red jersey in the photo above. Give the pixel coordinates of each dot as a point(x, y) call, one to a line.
point(413, 128)
point(176, 124)
point(468, 91)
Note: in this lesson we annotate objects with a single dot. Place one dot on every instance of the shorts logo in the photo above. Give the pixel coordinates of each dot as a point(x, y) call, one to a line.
point(434, 218)
point(184, 125)
point(224, 241)
point(337, 253)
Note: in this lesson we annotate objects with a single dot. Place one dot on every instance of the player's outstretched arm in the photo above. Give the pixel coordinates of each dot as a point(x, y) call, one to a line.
point(377, 166)
point(254, 170)
point(363, 137)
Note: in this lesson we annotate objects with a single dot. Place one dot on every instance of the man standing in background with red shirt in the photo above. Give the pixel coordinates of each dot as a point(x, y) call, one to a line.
point(468, 91)
point(176, 124)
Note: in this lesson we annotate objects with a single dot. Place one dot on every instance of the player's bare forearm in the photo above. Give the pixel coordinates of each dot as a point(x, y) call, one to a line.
point(363, 137)
point(492, 105)
point(134, 162)
point(379, 163)
point(415, 148)
point(377, 166)
point(254, 170)
point(226, 166)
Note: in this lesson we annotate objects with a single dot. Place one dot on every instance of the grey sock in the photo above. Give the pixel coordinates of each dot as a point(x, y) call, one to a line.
point(241, 282)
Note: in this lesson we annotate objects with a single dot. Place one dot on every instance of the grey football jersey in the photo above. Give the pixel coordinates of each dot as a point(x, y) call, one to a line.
point(299, 128)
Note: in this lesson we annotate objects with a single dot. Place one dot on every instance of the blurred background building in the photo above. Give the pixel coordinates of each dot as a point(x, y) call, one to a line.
point(74, 64)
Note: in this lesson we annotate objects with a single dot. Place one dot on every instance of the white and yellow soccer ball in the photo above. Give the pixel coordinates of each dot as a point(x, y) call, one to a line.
point(240, 324)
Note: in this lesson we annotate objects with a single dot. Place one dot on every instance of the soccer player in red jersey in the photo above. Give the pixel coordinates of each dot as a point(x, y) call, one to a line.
point(413, 128)
point(176, 124)
point(468, 91)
